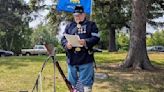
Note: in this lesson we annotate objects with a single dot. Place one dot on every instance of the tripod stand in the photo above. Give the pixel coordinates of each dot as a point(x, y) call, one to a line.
point(51, 52)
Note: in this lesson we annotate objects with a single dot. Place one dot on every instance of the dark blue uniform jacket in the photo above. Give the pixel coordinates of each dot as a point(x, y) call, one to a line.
point(91, 36)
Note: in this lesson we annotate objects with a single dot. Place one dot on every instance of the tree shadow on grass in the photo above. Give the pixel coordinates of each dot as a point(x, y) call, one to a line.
point(37, 58)
point(158, 64)
point(12, 65)
point(109, 61)
point(131, 80)
point(22, 61)
point(118, 84)
point(29, 58)
point(16, 62)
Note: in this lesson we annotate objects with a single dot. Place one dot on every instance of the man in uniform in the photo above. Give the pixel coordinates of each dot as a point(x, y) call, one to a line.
point(80, 59)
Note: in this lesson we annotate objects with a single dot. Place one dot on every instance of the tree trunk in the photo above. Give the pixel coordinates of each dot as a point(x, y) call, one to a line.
point(7, 44)
point(112, 42)
point(137, 57)
point(11, 43)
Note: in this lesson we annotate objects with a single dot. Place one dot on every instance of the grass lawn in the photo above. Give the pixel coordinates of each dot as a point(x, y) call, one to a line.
point(20, 73)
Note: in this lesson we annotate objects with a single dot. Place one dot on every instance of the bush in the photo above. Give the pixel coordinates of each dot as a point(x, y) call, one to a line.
point(60, 49)
point(122, 42)
point(156, 39)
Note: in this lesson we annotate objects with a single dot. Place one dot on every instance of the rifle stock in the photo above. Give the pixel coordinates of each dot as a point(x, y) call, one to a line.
point(51, 52)
point(64, 77)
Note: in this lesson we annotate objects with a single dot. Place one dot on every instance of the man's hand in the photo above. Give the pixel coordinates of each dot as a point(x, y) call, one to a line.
point(68, 45)
point(82, 42)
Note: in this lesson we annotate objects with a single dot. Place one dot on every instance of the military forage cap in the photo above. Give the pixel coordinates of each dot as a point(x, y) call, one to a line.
point(78, 10)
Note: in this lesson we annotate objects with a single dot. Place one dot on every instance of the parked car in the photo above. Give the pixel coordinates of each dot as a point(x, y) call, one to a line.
point(156, 48)
point(6, 53)
point(37, 50)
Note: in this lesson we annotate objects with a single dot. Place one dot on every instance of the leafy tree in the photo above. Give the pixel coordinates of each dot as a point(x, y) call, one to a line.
point(137, 57)
point(54, 17)
point(154, 10)
point(122, 41)
point(111, 15)
point(14, 27)
point(149, 41)
point(104, 40)
point(44, 34)
point(156, 39)
point(117, 13)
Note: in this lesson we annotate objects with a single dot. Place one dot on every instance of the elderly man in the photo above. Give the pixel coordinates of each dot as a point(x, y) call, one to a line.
point(80, 59)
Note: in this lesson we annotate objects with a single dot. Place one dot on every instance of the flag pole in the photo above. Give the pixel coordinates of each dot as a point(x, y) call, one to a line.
point(91, 11)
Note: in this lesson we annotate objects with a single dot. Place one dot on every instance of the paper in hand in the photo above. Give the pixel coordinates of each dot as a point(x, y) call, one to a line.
point(73, 39)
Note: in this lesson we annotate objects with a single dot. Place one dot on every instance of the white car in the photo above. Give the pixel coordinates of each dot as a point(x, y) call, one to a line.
point(37, 50)
point(156, 48)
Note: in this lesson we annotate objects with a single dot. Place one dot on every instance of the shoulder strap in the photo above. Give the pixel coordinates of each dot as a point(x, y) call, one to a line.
point(73, 30)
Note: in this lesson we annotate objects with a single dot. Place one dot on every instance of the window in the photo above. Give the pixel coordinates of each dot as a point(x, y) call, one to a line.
point(40, 47)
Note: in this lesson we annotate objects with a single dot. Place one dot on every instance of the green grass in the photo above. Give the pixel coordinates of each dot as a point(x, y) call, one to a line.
point(20, 73)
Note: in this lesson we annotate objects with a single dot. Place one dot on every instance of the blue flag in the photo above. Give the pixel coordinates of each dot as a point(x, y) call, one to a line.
point(68, 5)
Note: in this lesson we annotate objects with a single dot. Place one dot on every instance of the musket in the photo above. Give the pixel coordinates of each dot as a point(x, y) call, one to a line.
point(36, 83)
point(51, 52)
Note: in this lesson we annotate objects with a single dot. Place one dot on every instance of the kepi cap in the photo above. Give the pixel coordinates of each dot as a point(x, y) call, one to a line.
point(78, 10)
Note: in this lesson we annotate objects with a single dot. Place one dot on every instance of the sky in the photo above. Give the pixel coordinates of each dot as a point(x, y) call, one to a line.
point(160, 19)
point(42, 15)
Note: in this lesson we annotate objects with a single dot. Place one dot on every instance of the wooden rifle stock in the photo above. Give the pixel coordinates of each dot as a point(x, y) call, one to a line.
point(63, 75)
point(50, 49)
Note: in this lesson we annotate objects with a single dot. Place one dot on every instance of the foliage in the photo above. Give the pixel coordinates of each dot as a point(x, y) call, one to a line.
point(60, 49)
point(14, 27)
point(104, 39)
point(149, 41)
point(154, 8)
point(122, 41)
point(54, 17)
point(156, 39)
point(44, 34)
point(117, 13)
point(12, 12)
point(110, 13)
